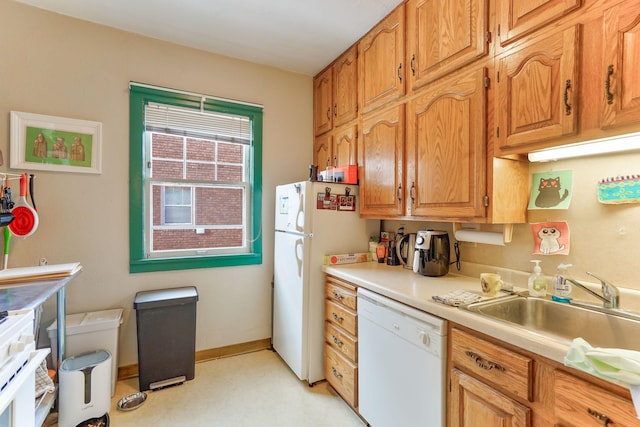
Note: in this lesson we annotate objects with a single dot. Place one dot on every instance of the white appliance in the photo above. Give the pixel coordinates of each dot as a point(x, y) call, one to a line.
point(304, 234)
point(85, 388)
point(18, 363)
point(401, 364)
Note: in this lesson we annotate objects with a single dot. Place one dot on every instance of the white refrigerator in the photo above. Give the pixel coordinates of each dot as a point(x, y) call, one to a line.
point(310, 224)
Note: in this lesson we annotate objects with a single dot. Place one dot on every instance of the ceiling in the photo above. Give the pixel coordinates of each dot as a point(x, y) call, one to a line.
point(302, 36)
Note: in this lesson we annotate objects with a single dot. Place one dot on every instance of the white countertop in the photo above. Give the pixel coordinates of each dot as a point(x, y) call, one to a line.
point(415, 290)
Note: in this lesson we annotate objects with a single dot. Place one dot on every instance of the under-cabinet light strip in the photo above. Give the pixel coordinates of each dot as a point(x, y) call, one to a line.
point(616, 144)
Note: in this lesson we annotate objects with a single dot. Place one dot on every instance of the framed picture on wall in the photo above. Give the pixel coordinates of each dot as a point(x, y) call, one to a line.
point(57, 144)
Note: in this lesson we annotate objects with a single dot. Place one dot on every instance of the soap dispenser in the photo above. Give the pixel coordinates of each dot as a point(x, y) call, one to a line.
point(562, 287)
point(537, 282)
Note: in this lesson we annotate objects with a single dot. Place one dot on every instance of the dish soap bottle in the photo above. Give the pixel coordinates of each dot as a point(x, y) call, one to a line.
point(537, 282)
point(561, 287)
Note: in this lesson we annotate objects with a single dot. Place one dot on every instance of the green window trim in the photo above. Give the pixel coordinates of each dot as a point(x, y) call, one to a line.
point(138, 261)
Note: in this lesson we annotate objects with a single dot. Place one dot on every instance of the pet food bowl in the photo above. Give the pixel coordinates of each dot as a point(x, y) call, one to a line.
point(132, 401)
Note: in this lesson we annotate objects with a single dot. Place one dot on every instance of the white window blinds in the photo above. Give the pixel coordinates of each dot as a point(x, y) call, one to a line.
point(197, 124)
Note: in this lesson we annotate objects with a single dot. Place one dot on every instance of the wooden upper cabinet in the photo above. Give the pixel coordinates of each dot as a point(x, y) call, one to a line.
point(446, 148)
point(323, 151)
point(517, 18)
point(338, 147)
point(380, 62)
point(335, 93)
point(621, 65)
point(345, 87)
point(322, 102)
point(537, 92)
point(345, 146)
point(444, 35)
point(380, 163)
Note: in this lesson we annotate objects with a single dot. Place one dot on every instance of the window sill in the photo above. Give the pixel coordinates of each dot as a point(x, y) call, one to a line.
point(188, 263)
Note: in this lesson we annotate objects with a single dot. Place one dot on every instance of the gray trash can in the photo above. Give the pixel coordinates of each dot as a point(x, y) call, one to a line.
point(166, 331)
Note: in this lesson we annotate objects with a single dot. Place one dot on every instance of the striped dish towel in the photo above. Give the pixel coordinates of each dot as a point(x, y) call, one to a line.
point(457, 297)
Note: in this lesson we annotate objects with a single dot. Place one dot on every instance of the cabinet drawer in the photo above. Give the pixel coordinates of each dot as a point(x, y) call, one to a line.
point(338, 292)
point(506, 369)
point(341, 374)
point(578, 403)
point(341, 341)
point(341, 316)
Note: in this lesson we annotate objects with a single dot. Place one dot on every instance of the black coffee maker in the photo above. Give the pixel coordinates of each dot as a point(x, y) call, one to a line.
point(432, 253)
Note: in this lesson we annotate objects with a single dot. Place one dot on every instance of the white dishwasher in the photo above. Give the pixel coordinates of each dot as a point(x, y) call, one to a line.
point(401, 364)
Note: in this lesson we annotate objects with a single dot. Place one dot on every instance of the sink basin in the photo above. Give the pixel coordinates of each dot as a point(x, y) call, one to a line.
point(563, 320)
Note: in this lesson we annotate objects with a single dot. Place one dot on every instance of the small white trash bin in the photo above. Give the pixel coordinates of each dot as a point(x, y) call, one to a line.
point(84, 388)
point(88, 332)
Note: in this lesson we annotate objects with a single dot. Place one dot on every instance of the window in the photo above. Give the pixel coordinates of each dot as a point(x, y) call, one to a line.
point(195, 181)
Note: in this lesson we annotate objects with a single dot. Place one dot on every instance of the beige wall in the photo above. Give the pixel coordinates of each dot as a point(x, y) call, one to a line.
point(51, 64)
point(604, 238)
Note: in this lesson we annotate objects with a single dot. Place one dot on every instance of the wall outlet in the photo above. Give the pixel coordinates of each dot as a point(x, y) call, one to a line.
point(43, 261)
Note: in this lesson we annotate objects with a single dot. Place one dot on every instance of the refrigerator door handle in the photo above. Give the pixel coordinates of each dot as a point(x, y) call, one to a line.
point(295, 233)
point(299, 255)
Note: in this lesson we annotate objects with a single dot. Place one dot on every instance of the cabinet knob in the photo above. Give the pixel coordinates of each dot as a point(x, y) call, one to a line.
point(567, 106)
point(412, 192)
point(484, 363)
point(336, 373)
point(336, 317)
point(337, 295)
point(336, 341)
point(607, 84)
point(600, 417)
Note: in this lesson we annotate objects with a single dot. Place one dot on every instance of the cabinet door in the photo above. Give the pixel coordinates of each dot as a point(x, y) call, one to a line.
point(322, 103)
point(380, 67)
point(344, 146)
point(341, 374)
point(621, 62)
point(517, 18)
point(345, 90)
point(444, 35)
point(322, 151)
point(474, 404)
point(537, 92)
point(579, 403)
point(446, 148)
point(380, 163)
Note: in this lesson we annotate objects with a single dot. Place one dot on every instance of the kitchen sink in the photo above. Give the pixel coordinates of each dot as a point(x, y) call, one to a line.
point(599, 327)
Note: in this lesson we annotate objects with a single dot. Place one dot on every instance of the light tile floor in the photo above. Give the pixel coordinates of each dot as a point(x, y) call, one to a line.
point(249, 390)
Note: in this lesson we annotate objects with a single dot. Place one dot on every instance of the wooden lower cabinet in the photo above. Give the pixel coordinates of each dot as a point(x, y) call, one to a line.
point(495, 384)
point(475, 404)
point(342, 374)
point(581, 404)
point(341, 339)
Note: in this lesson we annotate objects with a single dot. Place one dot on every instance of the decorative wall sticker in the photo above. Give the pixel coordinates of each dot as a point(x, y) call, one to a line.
point(551, 190)
point(551, 238)
point(619, 189)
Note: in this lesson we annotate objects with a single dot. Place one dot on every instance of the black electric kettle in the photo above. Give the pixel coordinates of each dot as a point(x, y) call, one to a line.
point(406, 249)
point(431, 256)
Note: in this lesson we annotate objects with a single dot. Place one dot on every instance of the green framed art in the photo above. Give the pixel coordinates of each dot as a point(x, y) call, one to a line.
point(58, 144)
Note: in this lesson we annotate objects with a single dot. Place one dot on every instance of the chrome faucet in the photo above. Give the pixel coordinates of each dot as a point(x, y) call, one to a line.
point(610, 295)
